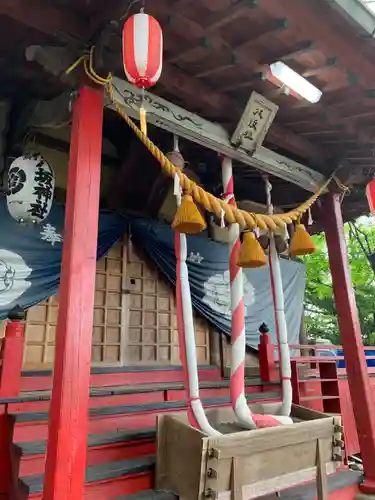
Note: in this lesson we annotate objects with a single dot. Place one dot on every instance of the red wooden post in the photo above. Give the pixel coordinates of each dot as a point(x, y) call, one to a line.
point(12, 355)
point(266, 355)
point(67, 438)
point(295, 383)
point(358, 379)
point(6, 463)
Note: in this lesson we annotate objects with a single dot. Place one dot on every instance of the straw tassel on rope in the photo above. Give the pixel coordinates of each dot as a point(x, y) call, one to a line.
point(188, 219)
point(212, 204)
point(251, 254)
point(301, 243)
point(207, 200)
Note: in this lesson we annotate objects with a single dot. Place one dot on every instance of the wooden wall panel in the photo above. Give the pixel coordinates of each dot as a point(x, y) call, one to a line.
point(153, 336)
point(134, 317)
point(40, 330)
point(109, 321)
point(251, 359)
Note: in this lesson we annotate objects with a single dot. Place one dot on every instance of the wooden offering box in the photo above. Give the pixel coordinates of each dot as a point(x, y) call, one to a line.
point(242, 464)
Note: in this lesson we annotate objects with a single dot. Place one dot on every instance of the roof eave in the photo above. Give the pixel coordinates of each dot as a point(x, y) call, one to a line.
point(356, 13)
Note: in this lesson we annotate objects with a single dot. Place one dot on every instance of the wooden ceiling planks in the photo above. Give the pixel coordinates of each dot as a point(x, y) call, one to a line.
point(53, 22)
point(216, 51)
point(172, 76)
point(297, 16)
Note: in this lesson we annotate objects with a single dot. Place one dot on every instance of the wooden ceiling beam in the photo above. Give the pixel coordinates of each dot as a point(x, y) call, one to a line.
point(333, 115)
point(338, 142)
point(320, 133)
point(241, 56)
point(45, 18)
point(219, 20)
point(263, 67)
point(306, 17)
point(198, 91)
point(355, 115)
point(334, 118)
point(214, 71)
point(193, 89)
point(222, 17)
point(303, 48)
point(331, 63)
point(216, 42)
point(361, 159)
point(278, 136)
point(55, 21)
point(329, 41)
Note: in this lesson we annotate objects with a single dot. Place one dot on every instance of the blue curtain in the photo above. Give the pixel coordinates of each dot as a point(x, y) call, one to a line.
point(30, 260)
point(209, 281)
point(30, 256)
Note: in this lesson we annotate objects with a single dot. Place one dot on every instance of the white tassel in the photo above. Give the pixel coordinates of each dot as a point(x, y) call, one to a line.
point(310, 221)
point(286, 233)
point(222, 220)
point(177, 191)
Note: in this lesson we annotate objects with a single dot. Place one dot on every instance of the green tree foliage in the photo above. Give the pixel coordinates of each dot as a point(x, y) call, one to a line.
point(320, 312)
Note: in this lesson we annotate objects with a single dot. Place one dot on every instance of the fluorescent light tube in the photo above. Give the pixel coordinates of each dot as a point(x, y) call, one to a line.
point(295, 82)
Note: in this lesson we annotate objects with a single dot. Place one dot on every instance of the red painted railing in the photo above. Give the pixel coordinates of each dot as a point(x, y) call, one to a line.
point(318, 382)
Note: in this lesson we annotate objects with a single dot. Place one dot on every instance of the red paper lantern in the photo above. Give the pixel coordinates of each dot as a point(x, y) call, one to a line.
point(370, 193)
point(142, 42)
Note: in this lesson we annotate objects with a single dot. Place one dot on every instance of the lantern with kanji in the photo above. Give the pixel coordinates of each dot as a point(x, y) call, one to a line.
point(142, 41)
point(31, 184)
point(370, 193)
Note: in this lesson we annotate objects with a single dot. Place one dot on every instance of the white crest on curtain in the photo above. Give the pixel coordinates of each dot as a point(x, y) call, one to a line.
point(217, 293)
point(195, 258)
point(50, 235)
point(13, 274)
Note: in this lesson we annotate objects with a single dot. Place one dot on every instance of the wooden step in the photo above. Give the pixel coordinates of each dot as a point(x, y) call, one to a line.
point(102, 448)
point(105, 481)
point(342, 485)
point(150, 495)
point(134, 478)
point(41, 380)
point(38, 401)
point(31, 426)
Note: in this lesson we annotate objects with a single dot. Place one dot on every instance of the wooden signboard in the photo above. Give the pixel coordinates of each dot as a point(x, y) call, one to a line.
point(213, 136)
point(254, 123)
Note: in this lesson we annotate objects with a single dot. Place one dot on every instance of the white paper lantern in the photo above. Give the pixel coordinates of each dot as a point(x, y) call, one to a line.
point(31, 183)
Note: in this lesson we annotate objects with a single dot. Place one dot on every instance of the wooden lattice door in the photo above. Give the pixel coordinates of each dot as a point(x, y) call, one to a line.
point(134, 317)
point(40, 331)
point(152, 333)
point(110, 308)
point(109, 326)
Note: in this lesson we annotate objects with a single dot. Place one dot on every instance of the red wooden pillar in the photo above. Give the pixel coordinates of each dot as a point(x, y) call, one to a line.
point(8, 472)
point(266, 354)
point(68, 424)
point(358, 379)
point(12, 355)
